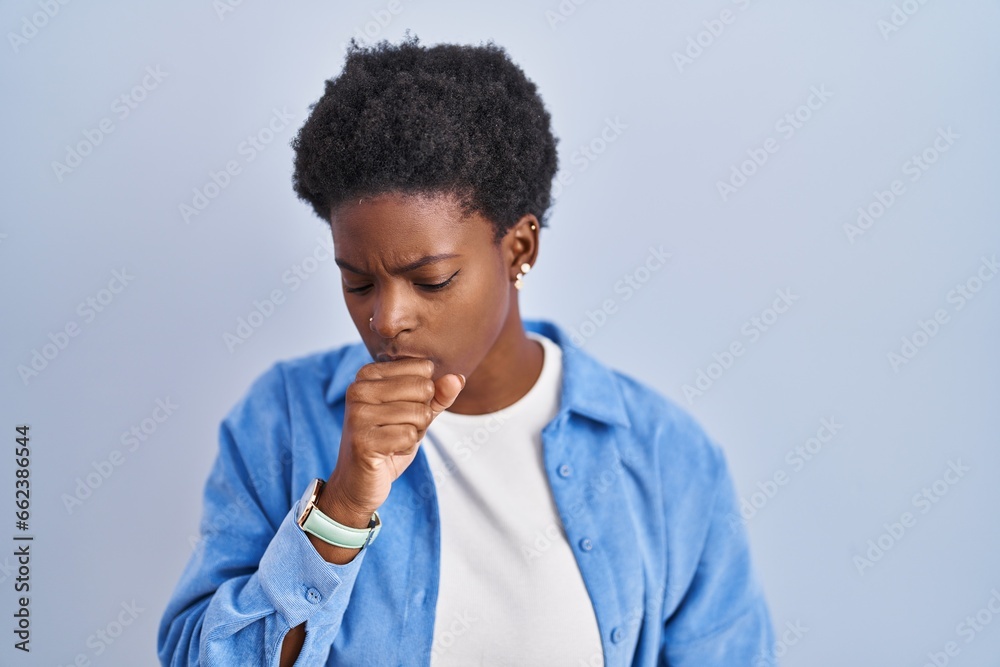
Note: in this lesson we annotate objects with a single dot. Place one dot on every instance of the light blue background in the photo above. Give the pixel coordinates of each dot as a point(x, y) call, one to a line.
point(654, 185)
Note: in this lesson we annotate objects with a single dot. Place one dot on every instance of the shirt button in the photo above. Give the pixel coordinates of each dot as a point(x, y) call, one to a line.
point(313, 596)
point(586, 544)
point(565, 470)
point(617, 635)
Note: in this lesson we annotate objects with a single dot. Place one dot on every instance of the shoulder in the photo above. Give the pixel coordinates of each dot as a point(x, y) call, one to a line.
point(317, 369)
point(663, 433)
point(656, 434)
point(307, 376)
point(258, 434)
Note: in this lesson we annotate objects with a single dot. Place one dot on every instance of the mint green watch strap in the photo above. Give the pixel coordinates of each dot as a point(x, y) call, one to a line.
point(337, 534)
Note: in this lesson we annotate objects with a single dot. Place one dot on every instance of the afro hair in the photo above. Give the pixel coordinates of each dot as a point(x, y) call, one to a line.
point(448, 119)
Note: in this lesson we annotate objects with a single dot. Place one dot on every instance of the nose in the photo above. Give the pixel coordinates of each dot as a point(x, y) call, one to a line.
point(392, 314)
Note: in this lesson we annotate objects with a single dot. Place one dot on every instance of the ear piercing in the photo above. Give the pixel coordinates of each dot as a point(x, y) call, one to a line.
point(518, 283)
point(524, 269)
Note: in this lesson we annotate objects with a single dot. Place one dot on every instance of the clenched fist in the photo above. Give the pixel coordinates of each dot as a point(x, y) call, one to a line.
point(388, 408)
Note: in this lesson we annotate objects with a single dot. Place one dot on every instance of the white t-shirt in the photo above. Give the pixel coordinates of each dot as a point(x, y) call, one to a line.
point(511, 592)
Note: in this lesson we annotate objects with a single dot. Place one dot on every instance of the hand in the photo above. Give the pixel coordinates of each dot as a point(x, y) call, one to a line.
point(388, 408)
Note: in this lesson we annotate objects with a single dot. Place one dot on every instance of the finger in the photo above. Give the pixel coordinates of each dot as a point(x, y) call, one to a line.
point(395, 439)
point(388, 390)
point(447, 390)
point(394, 413)
point(384, 369)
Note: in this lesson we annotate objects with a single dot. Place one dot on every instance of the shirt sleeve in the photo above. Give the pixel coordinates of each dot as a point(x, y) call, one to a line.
point(253, 573)
point(723, 618)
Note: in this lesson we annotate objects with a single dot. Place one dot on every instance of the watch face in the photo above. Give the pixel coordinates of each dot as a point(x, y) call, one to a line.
point(308, 499)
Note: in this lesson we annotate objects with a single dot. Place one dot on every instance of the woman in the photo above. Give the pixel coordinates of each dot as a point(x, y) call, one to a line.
point(462, 487)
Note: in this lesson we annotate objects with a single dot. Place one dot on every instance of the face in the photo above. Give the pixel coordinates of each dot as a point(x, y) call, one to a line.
point(433, 282)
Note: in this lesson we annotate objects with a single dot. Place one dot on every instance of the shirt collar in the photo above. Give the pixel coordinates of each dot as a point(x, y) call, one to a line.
point(589, 388)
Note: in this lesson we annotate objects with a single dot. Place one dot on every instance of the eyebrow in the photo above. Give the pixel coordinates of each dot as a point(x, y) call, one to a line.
point(423, 261)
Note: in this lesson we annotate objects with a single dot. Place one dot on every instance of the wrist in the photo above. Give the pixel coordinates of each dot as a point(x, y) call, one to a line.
point(340, 510)
point(336, 530)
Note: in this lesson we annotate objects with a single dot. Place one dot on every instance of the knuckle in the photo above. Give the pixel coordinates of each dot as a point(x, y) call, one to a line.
point(360, 411)
point(394, 441)
point(365, 438)
point(428, 389)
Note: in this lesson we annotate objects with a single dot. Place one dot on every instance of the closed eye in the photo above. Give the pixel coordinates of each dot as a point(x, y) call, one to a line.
point(439, 286)
point(430, 288)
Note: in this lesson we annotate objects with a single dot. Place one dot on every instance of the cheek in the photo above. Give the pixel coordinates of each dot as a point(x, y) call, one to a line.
point(475, 313)
point(492, 309)
point(359, 314)
point(490, 300)
point(356, 313)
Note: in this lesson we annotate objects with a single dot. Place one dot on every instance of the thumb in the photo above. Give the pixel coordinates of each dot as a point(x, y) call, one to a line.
point(447, 389)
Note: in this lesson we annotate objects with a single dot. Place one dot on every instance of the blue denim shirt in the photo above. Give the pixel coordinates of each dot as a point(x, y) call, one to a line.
point(644, 495)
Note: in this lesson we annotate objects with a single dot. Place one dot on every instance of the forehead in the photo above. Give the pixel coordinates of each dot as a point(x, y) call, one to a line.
point(393, 229)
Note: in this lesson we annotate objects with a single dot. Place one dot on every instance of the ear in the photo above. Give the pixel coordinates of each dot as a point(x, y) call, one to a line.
point(520, 245)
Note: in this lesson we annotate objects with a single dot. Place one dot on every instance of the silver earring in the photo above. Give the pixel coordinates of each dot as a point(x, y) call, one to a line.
point(518, 283)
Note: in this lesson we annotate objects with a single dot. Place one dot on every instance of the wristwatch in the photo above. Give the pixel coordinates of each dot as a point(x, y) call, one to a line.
point(314, 522)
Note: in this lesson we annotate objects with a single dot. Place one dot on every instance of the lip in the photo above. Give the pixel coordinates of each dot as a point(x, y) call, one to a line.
point(382, 356)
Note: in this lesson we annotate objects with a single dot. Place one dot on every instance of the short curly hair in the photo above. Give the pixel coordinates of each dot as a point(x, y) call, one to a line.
point(448, 119)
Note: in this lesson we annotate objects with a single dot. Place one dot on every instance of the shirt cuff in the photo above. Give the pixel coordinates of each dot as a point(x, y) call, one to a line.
point(300, 583)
